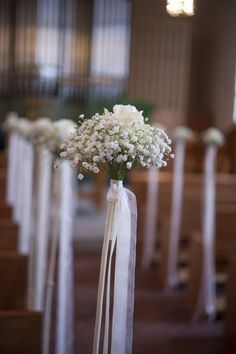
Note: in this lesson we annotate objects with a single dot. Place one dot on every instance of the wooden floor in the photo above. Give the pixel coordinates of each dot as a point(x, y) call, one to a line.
point(162, 324)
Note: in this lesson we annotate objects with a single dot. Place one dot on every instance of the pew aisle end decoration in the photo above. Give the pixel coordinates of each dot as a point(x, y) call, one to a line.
point(61, 240)
point(117, 142)
point(150, 230)
point(206, 303)
point(10, 126)
point(20, 175)
point(24, 173)
point(181, 136)
point(41, 135)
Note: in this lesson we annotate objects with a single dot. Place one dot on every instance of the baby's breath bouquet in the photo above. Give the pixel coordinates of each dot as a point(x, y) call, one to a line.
point(60, 131)
point(116, 141)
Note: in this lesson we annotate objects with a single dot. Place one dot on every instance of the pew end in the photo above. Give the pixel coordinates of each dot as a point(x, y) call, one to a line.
point(13, 279)
point(20, 332)
point(230, 313)
point(195, 271)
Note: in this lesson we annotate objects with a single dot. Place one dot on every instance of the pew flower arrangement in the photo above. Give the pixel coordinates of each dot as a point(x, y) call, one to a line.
point(117, 142)
point(62, 129)
point(45, 132)
point(213, 136)
point(11, 121)
point(183, 133)
point(42, 131)
point(24, 128)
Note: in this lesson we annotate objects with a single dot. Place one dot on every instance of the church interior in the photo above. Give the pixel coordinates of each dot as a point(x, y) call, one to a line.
point(66, 284)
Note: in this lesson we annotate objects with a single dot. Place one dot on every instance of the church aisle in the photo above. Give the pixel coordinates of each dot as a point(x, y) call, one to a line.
point(161, 323)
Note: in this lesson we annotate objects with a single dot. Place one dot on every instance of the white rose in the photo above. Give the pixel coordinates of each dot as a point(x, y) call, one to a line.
point(128, 115)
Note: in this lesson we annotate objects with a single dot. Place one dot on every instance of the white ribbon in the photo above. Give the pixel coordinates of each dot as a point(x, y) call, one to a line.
point(176, 213)
point(42, 229)
point(120, 231)
point(56, 196)
point(64, 323)
point(34, 224)
point(12, 168)
point(19, 178)
point(150, 228)
point(207, 296)
point(26, 197)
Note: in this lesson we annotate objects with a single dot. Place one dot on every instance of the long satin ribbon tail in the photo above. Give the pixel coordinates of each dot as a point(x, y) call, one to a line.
point(207, 294)
point(150, 228)
point(50, 285)
point(120, 231)
point(65, 293)
point(42, 229)
point(176, 214)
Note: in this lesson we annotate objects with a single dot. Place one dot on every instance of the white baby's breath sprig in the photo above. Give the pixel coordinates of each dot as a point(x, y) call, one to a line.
point(61, 131)
point(183, 133)
point(24, 128)
point(11, 121)
point(42, 131)
point(116, 141)
point(213, 136)
point(21, 126)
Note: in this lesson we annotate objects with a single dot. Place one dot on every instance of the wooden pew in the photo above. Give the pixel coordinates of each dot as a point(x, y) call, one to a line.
point(192, 207)
point(8, 242)
point(195, 271)
point(3, 159)
point(5, 211)
point(13, 280)
point(230, 313)
point(225, 248)
point(8, 235)
point(20, 329)
point(3, 178)
point(20, 332)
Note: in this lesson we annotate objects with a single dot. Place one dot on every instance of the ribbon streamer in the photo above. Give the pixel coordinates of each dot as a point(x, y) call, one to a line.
point(207, 295)
point(19, 195)
point(176, 213)
point(42, 229)
point(120, 231)
point(52, 261)
point(26, 197)
point(34, 215)
point(11, 171)
point(150, 229)
point(65, 323)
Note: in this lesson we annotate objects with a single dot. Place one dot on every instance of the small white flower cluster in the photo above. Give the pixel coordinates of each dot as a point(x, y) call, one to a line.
point(24, 128)
point(213, 136)
point(183, 133)
point(62, 129)
point(116, 141)
point(21, 126)
point(11, 121)
point(52, 134)
point(42, 131)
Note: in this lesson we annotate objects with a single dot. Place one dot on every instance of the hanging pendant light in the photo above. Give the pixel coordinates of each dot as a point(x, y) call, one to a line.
point(180, 7)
